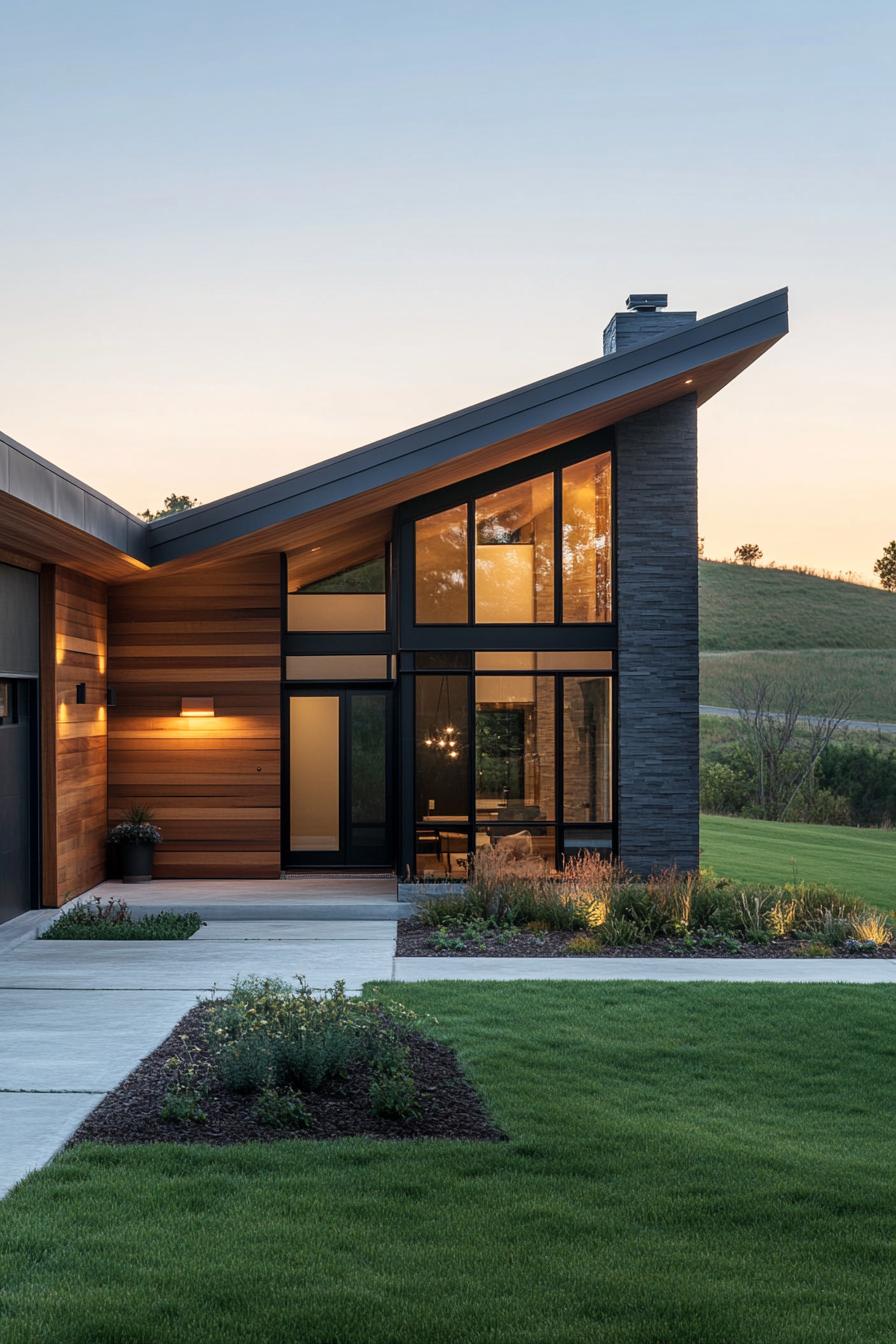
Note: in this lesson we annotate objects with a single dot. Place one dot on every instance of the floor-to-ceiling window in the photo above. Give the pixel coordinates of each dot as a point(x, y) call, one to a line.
point(506, 658)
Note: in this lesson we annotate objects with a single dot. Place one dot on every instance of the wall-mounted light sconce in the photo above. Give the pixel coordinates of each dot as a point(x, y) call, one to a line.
point(81, 693)
point(197, 707)
point(111, 697)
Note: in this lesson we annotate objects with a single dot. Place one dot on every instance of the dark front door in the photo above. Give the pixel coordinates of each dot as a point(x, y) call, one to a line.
point(339, 777)
point(18, 865)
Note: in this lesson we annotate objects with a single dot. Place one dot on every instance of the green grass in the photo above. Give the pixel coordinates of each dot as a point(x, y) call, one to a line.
point(866, 676)
point(859, 861)
point(707, 1163)
point(744, 608)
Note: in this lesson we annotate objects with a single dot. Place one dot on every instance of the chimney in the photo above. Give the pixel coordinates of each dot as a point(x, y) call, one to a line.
point(645, 320)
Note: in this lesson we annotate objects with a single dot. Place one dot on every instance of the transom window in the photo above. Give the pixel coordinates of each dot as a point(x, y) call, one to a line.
point(492, 560)
point(351, 599)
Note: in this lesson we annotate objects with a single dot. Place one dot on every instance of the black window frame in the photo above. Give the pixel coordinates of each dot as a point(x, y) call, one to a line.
point(554, 634)
point(411, 824)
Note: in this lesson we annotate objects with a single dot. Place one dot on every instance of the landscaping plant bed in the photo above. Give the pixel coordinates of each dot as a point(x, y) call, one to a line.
point(416, 939)
point(99, 920)
point(448, 1107)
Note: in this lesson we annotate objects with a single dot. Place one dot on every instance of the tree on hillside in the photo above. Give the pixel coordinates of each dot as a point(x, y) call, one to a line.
point(172, 504)
point(785, 744)
point(747, 553)
point(885, 567)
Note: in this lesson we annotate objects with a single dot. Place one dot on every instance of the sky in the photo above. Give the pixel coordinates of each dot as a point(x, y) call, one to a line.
point(238, 238)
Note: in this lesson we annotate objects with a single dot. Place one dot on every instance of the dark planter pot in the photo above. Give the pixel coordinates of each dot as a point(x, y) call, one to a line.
point(136, 860)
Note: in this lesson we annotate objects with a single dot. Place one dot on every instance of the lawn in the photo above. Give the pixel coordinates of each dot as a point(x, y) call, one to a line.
point(862, 861)
point(863, 678)
point(686, 1163)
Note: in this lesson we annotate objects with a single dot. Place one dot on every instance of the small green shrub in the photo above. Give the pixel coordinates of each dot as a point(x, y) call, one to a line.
point(393, 1092)
point(183, 1106)
point(182, 1101)
point(281, 1110)
point(245, 1063)
point(584, 945)
point(815, 949)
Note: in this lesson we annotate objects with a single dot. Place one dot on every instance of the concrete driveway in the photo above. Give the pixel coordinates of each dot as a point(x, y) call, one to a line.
point(77, 1017)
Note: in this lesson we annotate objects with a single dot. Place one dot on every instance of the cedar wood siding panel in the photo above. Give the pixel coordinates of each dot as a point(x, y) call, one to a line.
point(74, 649)
point(213, 784)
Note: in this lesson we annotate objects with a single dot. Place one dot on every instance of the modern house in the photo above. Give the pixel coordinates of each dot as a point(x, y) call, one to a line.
point(481, 631)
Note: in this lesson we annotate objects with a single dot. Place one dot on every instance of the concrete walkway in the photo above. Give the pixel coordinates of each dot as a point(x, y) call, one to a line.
point(77, 1017)
point(771, 970)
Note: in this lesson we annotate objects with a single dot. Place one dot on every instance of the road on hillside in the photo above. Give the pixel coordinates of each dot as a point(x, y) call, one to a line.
point(862, 725)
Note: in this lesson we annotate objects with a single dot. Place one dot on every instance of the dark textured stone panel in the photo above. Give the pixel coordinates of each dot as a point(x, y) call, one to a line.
point(657, 615)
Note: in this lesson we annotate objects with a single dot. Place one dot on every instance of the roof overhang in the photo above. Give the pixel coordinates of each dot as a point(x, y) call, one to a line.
point(46, 513)
point(49, 515)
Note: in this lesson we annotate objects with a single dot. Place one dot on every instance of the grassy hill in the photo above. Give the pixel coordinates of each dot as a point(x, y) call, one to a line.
point(795, 629)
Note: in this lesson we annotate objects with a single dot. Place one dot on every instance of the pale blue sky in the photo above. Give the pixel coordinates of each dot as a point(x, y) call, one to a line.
point(241, 237)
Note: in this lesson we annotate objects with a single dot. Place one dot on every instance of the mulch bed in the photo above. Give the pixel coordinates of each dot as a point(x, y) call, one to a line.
point(450, 1107)
point(417, 940)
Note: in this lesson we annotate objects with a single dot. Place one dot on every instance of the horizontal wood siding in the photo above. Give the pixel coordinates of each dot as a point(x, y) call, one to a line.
point(213, 784)
point(74, 751)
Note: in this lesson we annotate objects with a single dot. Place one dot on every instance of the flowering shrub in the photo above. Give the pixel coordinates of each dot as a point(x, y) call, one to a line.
point(271, 1035)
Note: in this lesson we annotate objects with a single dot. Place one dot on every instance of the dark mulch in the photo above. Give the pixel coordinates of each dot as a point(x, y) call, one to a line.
point(417, 940)
point(450, 1107)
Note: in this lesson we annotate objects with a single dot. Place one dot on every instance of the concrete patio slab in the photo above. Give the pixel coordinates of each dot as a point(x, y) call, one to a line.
point(297, 930)
point(78, 1039)
point(782, 970)
point(196, 965)
point(34, 1128)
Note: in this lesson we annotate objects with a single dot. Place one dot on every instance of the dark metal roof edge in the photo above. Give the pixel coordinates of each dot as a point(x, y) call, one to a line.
point(32, 479)
point(572, 389)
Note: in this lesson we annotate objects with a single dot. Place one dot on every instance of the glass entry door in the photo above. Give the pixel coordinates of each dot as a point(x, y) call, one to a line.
point(340, 812)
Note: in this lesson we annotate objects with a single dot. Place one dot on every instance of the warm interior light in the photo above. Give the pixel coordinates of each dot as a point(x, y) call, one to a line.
point(197, 707)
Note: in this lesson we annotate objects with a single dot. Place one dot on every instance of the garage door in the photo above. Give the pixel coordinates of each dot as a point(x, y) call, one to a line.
point(17, 765)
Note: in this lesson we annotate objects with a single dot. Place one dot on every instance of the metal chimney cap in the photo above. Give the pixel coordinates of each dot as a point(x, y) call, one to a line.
point(646, 303)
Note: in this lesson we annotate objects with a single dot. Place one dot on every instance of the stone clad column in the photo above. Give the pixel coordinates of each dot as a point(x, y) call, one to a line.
point(658, 659)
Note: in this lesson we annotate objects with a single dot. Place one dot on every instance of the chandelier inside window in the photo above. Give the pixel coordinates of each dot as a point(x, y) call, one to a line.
point(442, 735)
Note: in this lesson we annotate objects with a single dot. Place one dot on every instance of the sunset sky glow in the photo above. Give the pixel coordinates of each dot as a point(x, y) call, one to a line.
point(241, 238)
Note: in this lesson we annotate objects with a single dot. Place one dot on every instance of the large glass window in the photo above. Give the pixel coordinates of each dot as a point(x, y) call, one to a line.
point(587, 750)
point(352, 599)
point(587, 541)
point(541, 774)
point(514, 766)
point(515, 554)
point(441, 568)
point(517, 579)
point(442, 750)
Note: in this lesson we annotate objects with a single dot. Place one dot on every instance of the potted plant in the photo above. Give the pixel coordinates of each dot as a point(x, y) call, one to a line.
point(135, 838)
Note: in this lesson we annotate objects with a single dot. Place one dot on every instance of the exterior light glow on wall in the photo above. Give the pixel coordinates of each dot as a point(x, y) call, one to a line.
point(197, 707)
